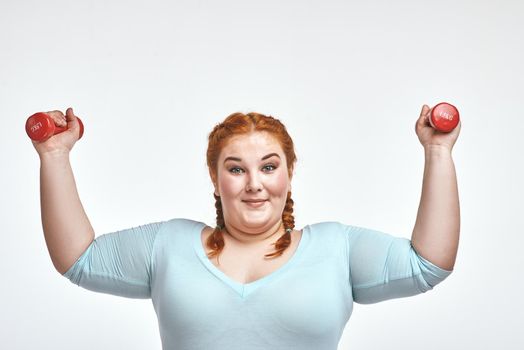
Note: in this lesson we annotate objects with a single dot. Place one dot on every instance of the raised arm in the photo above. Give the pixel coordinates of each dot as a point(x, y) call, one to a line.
point(67, 229)
point(436, 233)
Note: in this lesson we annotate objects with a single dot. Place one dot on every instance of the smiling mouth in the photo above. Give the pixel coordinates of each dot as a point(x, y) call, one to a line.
point(255, 204)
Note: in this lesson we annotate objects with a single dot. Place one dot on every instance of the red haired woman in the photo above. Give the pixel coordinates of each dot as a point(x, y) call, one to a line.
point(253, 281)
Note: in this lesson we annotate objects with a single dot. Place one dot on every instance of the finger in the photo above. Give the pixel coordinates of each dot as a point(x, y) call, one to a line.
point(71, 118)
point(424, 111)
point(423, 119)
point(58, 117)
point(73, 122)
point(70, 115)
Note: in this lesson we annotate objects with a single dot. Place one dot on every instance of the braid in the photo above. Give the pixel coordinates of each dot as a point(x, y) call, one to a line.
point(216, 240)
point(289, 224)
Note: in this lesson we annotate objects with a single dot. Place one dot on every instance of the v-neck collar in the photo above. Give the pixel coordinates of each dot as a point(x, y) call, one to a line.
point(245, 289)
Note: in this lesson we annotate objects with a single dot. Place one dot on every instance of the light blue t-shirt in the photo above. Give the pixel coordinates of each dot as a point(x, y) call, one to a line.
point(305, 304)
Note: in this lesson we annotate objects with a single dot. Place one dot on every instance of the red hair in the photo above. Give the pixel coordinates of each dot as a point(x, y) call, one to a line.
point(241, 124)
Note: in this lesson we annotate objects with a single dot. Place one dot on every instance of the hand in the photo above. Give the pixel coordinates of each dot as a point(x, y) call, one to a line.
point(430, 137)
point(64, 141)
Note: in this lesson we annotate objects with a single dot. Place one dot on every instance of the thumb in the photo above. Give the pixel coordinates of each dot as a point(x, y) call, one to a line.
point(425, 110)
point(70, 116)
point(423, 119)
point(72, 121)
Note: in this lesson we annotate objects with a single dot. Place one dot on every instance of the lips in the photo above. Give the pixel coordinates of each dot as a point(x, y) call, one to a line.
point(255, 203)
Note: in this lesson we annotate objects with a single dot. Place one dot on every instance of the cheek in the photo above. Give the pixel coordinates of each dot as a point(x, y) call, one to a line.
point(280, 183)
point(230, 186)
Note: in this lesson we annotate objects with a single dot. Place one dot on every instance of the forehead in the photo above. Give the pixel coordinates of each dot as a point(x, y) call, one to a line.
point(252, 144)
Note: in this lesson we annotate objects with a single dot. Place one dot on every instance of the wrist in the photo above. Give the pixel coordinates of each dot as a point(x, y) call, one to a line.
point(439, 151)
point(54, 155)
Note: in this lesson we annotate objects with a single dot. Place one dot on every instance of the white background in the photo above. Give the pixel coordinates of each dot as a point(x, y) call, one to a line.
point(150, 79)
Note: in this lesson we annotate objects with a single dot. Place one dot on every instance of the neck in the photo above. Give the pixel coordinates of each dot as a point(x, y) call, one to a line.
point(242, 237)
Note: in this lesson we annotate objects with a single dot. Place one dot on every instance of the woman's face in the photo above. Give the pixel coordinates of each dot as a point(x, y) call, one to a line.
point(252, 167)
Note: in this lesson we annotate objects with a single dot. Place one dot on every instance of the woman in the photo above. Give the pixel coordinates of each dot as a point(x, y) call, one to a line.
point(253, 281)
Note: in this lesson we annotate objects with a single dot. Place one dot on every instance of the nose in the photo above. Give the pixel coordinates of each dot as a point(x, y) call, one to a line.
point(253, 183)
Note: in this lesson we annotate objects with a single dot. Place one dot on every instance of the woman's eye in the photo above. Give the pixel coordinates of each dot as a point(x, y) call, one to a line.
point(233, 170)
point(266, 168)
point(270, 166)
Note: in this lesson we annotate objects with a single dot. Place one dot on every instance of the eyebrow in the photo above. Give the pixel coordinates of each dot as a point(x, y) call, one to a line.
point(263, 158)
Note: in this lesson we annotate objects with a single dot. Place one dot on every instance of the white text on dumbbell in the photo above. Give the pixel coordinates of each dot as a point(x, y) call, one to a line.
point(36, 126)
point(446, 115)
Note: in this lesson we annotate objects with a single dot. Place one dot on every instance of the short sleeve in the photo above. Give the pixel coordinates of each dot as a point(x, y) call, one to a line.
point(118, 263)
point(384, 267)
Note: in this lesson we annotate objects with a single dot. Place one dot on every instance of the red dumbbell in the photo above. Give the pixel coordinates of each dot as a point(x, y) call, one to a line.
point(444, 117)
point(40, 127)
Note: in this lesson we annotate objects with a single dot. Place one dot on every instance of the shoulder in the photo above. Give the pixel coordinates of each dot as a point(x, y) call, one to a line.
point(178, 232)
point(178, 227)
point(181, 225)
point(328, 232)
point(327, 226)
point(336, 227)
point(335, 231)
point(332, 228)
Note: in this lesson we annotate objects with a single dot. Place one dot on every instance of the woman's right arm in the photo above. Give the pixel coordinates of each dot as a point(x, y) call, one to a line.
point(67, 229)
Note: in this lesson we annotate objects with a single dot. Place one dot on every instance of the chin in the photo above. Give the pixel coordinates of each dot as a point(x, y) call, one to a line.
point(259, 222)
point(254, 222)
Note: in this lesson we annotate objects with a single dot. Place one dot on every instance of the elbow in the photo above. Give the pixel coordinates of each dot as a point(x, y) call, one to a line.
point(61, 268)
point(444, 263)
point(441, 261)
point(432, 272)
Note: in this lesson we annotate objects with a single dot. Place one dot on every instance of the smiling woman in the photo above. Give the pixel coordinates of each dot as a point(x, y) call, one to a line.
point(274, 286)
point(248, 163)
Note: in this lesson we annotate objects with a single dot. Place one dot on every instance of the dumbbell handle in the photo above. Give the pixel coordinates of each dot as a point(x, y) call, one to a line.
point(444, 117)
point(40, 127)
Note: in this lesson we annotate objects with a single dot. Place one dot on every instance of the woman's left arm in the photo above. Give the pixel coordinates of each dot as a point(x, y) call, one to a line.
point(436, 233)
